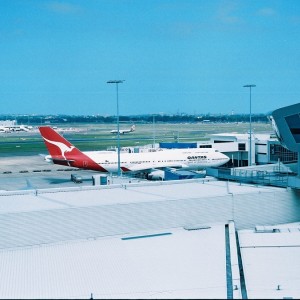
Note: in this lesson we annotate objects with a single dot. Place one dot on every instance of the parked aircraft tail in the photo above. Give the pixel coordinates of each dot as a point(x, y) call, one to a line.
point(64, 153)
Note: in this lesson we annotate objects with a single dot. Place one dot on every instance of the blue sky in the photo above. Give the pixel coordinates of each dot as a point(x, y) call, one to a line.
point(176, 56)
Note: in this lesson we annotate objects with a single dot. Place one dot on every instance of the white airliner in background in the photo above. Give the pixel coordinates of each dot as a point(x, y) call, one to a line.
point(123, 131)
point(12, 128)
point(4, 129)
point(62, 152)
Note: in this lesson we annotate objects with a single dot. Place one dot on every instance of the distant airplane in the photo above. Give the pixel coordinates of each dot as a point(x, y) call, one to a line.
point(4, 129)
point(15, 128)
point(123, 131)
point(62, 152)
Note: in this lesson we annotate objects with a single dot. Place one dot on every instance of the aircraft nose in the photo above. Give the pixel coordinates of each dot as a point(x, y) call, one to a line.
point(226, 158)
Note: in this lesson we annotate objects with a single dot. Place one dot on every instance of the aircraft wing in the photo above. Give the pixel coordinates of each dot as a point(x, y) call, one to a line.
point(150, 167)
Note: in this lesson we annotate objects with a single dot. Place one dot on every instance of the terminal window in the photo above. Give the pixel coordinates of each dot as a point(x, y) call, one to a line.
point(278, 152)
point(242, 147)
point(293, 122)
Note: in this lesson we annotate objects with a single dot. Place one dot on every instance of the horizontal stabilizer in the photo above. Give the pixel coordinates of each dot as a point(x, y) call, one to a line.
point(63, 160)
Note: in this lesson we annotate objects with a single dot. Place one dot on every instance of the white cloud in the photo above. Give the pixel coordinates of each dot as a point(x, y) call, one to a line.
point(63, 7)
point(226, 12)
point(267, 11)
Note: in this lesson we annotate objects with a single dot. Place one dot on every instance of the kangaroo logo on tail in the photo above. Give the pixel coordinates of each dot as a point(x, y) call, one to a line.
point(62, 147)
point(59, 147)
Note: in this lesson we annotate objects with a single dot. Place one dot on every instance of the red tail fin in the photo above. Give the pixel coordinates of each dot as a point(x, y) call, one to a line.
point(57, 145)
point(64, 153)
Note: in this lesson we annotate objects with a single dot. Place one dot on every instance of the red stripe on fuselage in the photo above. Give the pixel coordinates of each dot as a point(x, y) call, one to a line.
point(124, 169)
point(82, 161)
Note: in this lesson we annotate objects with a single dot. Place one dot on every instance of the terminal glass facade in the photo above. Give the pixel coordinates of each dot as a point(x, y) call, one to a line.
point(278, 152)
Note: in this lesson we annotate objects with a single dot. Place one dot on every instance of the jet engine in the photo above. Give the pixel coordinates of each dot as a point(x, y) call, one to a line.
point(156, 175)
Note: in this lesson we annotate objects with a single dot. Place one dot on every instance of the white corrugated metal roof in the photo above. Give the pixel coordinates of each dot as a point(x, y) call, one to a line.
point(64, 269)
point(182, 264)
point(21, 201)
point(271, 261)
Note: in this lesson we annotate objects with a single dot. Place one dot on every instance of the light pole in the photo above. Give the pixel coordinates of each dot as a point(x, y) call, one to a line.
point(118, 123)
point(250, 152)
point(153, 131)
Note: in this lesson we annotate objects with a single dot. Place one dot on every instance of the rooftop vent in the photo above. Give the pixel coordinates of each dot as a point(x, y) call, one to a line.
point(196, 227)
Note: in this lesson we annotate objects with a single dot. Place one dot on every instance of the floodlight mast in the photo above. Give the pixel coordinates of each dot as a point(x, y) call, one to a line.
point(118, 123)
point(250, 86)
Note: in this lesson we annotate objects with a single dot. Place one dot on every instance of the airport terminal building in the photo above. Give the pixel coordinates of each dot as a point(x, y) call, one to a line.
point(266, 149)
point(207, 238)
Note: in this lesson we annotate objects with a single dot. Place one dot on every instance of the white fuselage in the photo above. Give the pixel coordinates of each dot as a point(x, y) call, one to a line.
point(178, 158)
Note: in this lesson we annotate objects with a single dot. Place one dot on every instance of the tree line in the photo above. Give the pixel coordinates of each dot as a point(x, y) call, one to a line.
point(150, 118)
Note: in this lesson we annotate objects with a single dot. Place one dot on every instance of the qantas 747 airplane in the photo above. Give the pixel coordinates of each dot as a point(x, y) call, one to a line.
point(62, 152)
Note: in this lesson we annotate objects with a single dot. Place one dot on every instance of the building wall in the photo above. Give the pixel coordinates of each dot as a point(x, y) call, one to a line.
point(55, 225)
point(264, 151)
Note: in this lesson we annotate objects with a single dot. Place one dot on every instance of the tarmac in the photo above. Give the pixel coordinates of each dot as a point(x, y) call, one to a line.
point(33, 172)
